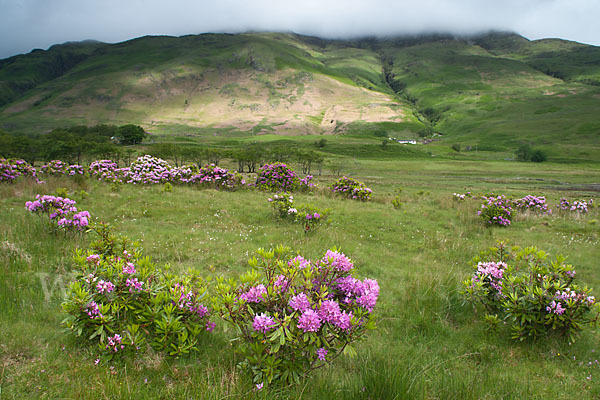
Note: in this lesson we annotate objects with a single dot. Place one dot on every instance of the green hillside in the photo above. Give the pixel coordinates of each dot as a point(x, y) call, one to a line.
point(491, 92)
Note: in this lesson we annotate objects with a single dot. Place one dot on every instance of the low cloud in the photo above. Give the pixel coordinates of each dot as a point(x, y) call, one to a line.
point(41, 23)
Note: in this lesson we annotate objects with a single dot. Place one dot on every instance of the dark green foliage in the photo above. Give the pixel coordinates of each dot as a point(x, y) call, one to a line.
point(526, 153)
point(131, 134)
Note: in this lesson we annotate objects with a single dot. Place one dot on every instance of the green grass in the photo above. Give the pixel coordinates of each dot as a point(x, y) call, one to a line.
point(428, 343)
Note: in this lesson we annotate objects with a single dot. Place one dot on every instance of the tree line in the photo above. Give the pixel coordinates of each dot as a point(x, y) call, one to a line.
point(81, 145)
point(77, 144)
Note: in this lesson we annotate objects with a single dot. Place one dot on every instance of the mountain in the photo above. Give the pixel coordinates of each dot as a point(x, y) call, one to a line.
point(493, 91)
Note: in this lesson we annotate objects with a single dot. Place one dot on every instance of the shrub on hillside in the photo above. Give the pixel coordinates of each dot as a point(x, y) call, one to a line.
point(106, 170)
point(149, 170)
point(496, 210)
point(123, 303)
point(277, 177)
point(308, 215)
point(60, 213)
point(531, 203)
point(293, 315)
point(214, 176)
point(534, 294)
point(351, 188)
point(577, 206)
point(11, 170)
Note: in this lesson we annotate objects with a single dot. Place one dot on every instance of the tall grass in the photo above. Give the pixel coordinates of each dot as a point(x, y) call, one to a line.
point(428, 345)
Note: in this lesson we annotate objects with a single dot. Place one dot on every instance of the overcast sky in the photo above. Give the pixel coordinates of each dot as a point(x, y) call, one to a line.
point(29, 24)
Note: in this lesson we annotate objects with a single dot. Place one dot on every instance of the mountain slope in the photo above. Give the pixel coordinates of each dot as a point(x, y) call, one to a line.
point(494, 91)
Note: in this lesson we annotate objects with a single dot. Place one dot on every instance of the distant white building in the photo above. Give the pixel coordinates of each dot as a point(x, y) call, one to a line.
point(406, 141)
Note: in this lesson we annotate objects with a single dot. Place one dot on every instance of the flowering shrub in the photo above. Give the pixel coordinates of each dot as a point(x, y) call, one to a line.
point(61, 212)
point(106, 170)
point(306, 183)
point(535, 295)
point(531, 203)
point(184, 173)
point(10, 170)
point(122, 302)
point(496, 211)
point(351, 188)
point(461, 197)
point(306, 214)
point(58, 168)
point(276, 177)
point(294, 315)
point(578, 206)
point(75, 169)
point(54, 167)
point(213, 176)
point(149, 170)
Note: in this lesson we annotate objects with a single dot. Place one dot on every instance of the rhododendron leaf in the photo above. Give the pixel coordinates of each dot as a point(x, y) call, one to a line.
point(350, 352)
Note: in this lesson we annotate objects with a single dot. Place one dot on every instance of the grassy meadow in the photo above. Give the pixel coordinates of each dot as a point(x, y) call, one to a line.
point(429, 344)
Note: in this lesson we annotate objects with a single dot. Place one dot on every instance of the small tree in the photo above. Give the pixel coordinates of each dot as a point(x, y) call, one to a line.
point(131, 134)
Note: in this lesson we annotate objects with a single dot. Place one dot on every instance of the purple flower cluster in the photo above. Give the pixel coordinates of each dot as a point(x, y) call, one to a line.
point(364, 293)
point(186, 299)
point(496, 210)
point(134, 285)
point(114, 343)
point(106, 170)
point(254, 294)
point(276, 177)
point(54, 167)
point(573, 296)
point(61, 212)
point(105, 286)
point(555, 308)
point(306, 182)
point(578, 206)
point(93, 311)
point(490, 273)
point(58, 168)
point(309, 321)
point(10, 170)
point(321, 353)
point(213, 176)
point(299, 302)
point(337, 260)
point(149, 170)
point(351, 188)
point(299, 262)
point(263, 323)
point(532, 203)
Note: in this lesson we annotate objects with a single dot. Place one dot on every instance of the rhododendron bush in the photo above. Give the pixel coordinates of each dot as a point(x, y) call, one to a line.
point(122, 302)
point(277, 177)
point(496, 210)
point(106, 170)
point(306, 214)
point(351, 188)
point(532, 293)
point(294, 315)
point(10, 170)
point(60, 212)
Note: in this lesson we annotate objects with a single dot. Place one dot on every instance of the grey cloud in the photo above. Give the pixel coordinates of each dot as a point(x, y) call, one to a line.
point(27, 24)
